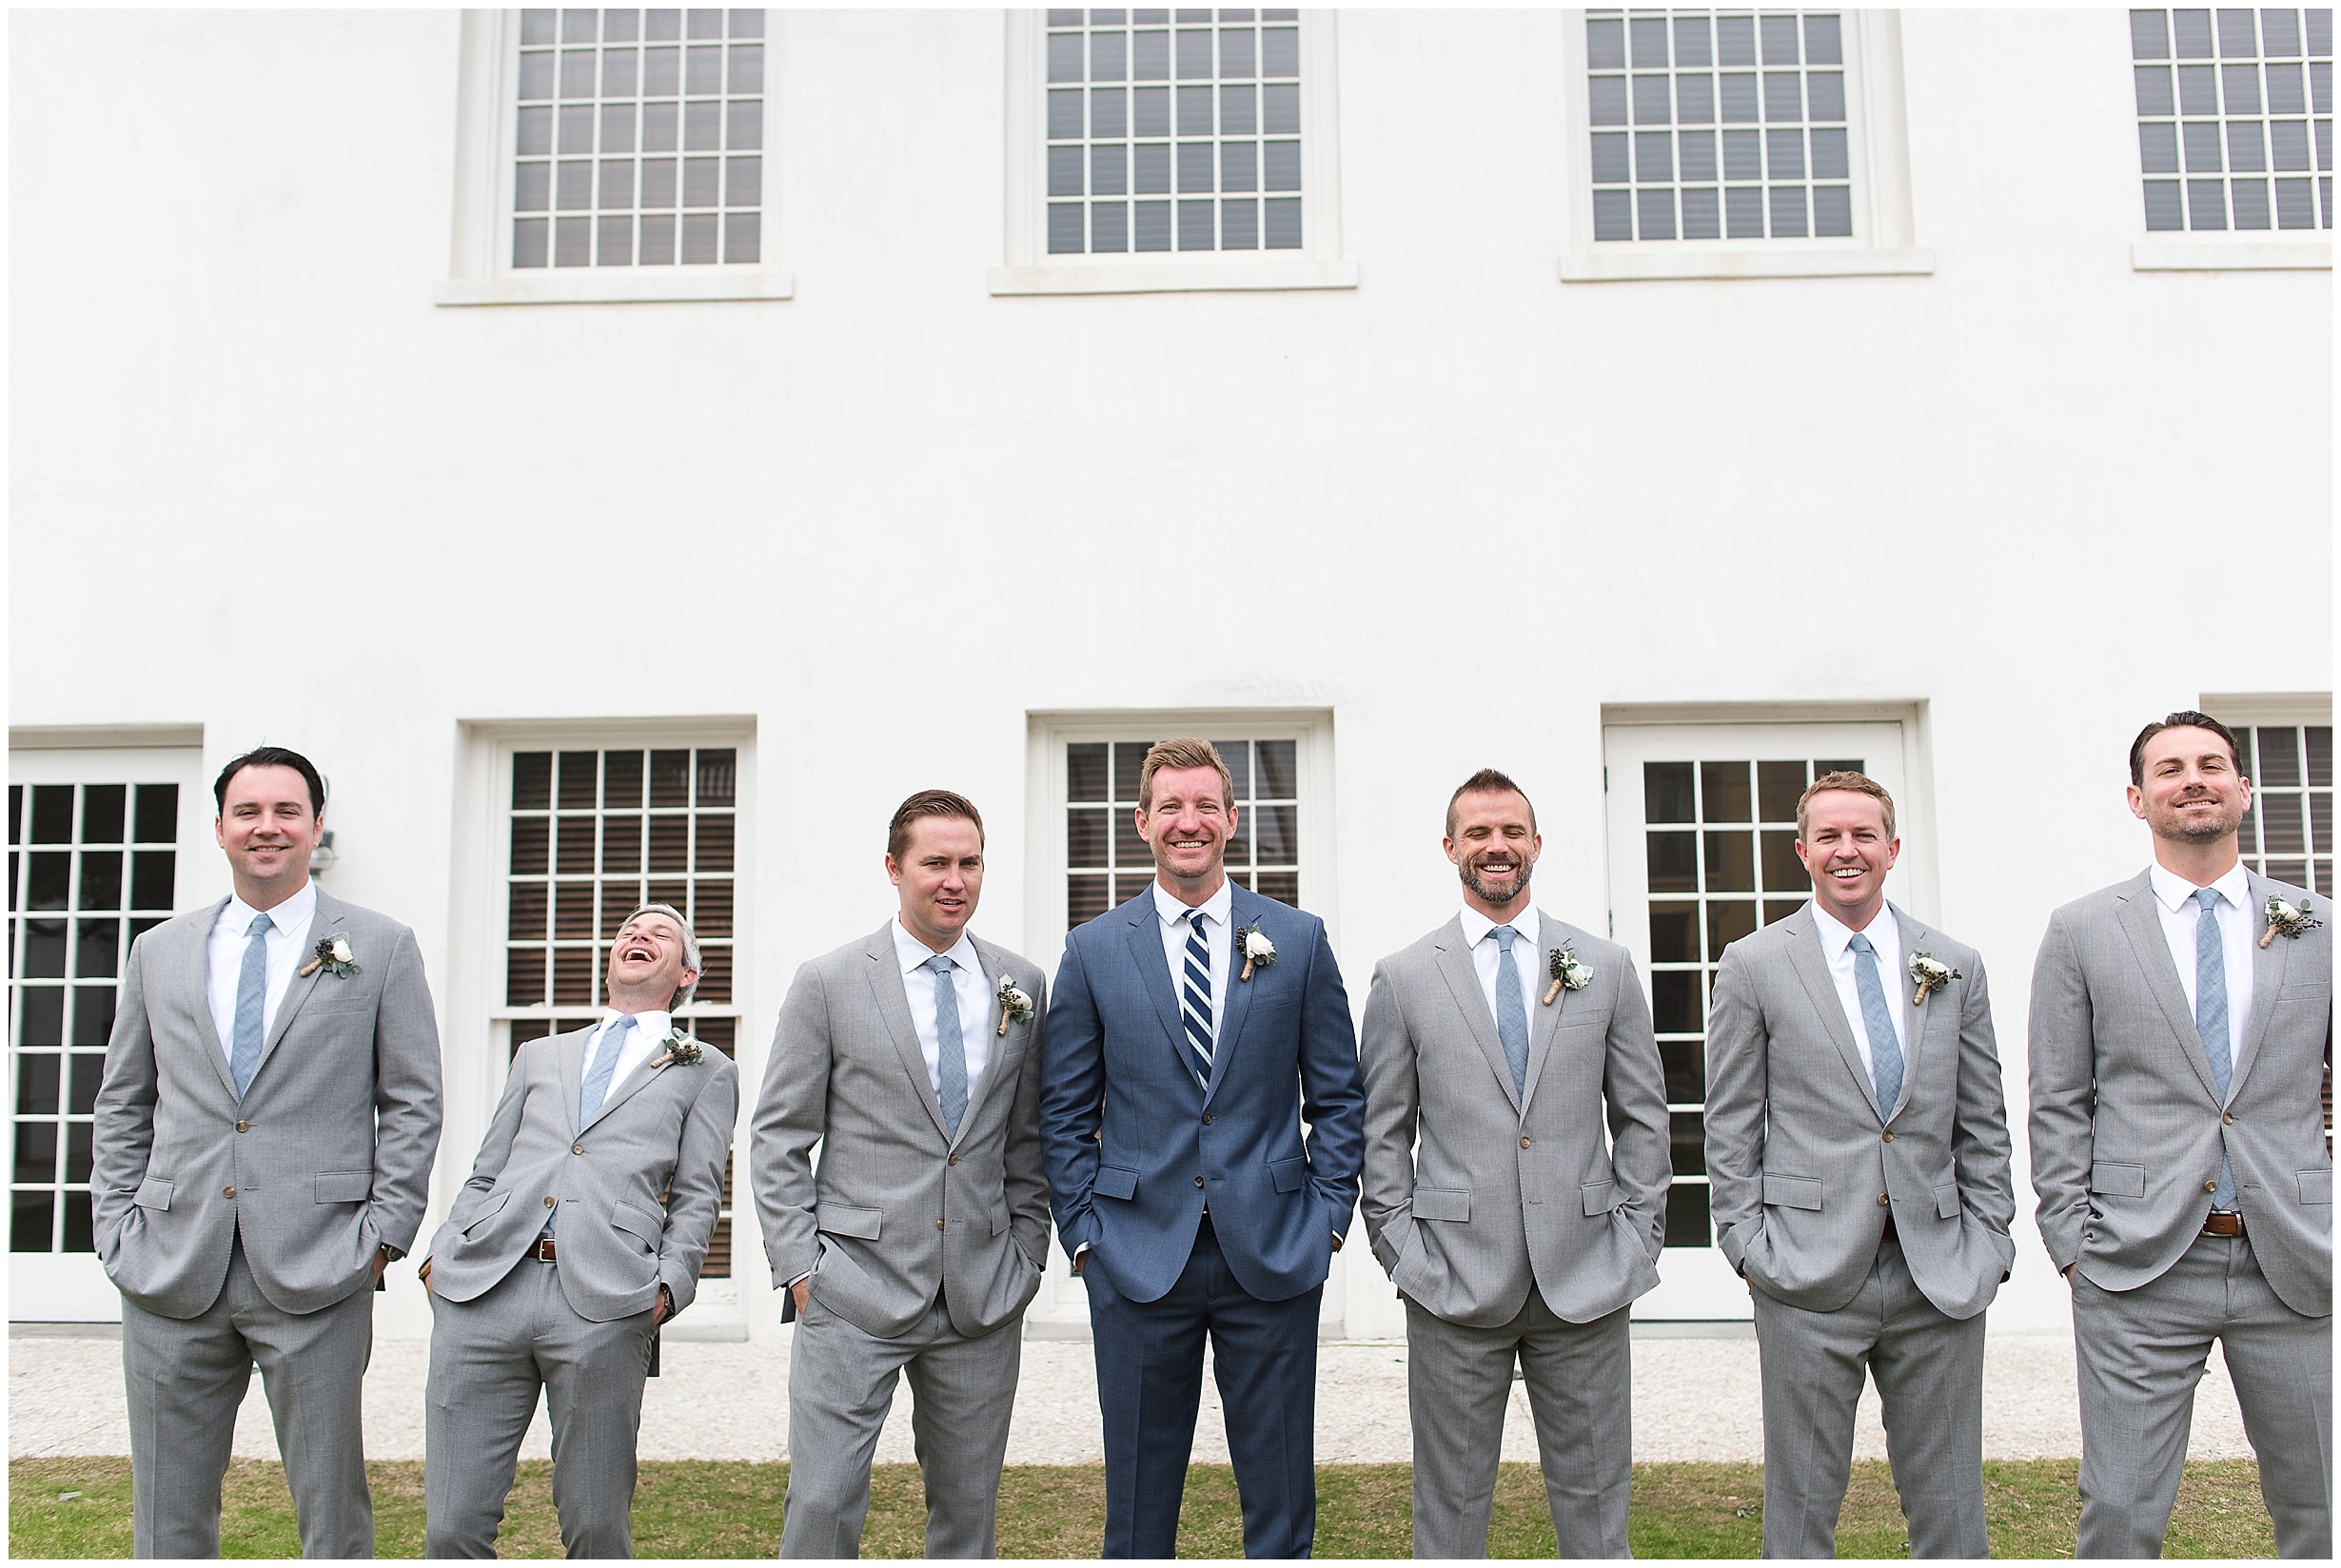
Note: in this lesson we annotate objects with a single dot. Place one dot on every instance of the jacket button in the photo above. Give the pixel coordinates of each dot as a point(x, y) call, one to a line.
point(952, 1161)
point(2208, 1187)
point(1883, 1200)
point(1524, 1143)
point(2228, 1120)
point(246, 1126)
point(228, 1192)
point(1198, 1181)
point(1207, 1118)
point(548, 1202)
point(576, 1148)
point(1889, 1135)
point(938, 1224)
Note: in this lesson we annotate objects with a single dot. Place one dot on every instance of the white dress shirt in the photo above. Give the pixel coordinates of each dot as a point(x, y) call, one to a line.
point(1837, 945)
point(976, 1020)
point(287, 941)
point(2181, 914)
point(1487, 954)
point(1216, 936)
point(647, 1036)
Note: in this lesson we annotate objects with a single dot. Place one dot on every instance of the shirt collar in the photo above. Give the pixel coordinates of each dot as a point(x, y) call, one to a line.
point(912, 955)
point(1476, 926)
point(1172, 912)
point(293, 916)
point(2175, 892)
point(1836, 935)
point(647, 1025)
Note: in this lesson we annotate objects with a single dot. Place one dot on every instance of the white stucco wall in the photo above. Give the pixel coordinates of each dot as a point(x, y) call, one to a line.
point(262, 483)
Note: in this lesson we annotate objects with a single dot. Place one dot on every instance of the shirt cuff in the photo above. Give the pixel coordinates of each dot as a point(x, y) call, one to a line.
point(799, 1280)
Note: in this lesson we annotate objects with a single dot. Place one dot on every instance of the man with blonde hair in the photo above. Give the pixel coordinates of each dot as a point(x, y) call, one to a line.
point(1195, 1028)
point(1858, 1173)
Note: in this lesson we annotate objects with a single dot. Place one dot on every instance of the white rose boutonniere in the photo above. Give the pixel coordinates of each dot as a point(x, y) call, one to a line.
point(1015, 1007)
point(1257, 950)
point(681, 1051)
point(1928, 976)
point(333, 956)
point(1568, 973)
point(2284, 920)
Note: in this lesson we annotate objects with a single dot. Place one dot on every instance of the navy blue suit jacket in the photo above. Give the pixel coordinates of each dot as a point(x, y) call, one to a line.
point(1113, 1060)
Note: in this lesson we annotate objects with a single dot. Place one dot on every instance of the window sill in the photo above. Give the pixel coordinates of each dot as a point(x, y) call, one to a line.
point(2231, 256)
point(1172, 277)
point(1644, 265)
point(582, 285)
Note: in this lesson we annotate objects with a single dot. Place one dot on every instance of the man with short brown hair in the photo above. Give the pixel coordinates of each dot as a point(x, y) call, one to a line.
point(912, 1057)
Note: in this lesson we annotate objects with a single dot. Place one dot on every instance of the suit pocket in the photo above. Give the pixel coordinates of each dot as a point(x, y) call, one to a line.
point(488, 1211)
point(1289, 1175)
point(1792, 1191)
point(1114, 1182)
point(2308, 991)
point(1443, 1203)
point(1947, 1201)
point(637, 1224)
point(999, 1217)
point(153, 1192)
point(845, 1220)
point(2316, 1187)
point(344, 1187)
point(2117, 1180)
point(1601, 1197)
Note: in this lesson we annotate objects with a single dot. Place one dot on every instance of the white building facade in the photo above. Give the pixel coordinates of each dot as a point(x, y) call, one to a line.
point(630, 450)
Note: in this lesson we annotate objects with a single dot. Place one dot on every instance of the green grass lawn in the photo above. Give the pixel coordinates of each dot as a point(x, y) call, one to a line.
point(689, 1509)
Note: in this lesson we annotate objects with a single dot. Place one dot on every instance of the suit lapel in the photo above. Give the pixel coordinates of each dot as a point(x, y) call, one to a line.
point(631, 1087)
point(995, 971)
point(1916, 1021)
point(572, 1059)
point(1804, 955)
point(200, 977)
point(2268, 965)
point(2142, 923)
point(1154, 969)
point(1244, 909)
point(1463, 982)
point(1544, 1022)
point(328, 917)
point(892, 993)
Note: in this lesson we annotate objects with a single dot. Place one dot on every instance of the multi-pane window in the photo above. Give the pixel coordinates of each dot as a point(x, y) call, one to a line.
point(2288, 834)
point(90, 867)
point(2234, 118)
point(1719, 125)
point(1721, 839)
point(594, 836)
point(1107, 863)
point(1173, 130)
point(640, 138)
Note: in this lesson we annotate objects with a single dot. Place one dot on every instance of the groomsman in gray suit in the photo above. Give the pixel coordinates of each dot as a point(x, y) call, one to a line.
point(1515, 1185)
point(2181, 1021)
point(1858, 1166)
point(912, 1057)
point(263, 1142)
point(581, 1231)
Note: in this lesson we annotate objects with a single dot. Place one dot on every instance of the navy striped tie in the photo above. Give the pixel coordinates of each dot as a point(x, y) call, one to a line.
point(1196, 1007)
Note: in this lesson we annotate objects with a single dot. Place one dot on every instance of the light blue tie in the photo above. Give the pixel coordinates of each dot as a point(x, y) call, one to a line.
point(1878, 1021)
point(597, 1086)
point(1511, 1012)
point(2210, 1017)
point(251, 1005)
point(950, 1045)
point(1197, 1004)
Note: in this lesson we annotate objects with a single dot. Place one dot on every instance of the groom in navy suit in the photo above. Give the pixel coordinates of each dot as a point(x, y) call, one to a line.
point(1191, 1031)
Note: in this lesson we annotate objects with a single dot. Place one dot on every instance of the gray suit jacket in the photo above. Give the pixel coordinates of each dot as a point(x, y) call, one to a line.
point(2127, 1128)
point(640, 1185)
point(327, 1155)
point(1474, 1191)
point(899, 1209)
point(1799, 1163)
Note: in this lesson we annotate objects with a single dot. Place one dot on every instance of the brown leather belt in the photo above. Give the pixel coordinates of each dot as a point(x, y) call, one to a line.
point(2217, 1223)
point(543, 1251)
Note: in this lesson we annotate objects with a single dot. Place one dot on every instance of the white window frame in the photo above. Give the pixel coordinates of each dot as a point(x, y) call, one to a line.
point(479, 268)
point(1030, 270)
point(1882, 242)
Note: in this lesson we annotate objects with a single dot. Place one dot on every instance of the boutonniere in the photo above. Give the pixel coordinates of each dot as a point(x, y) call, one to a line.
point(2284, 920)
point(333, 956)
point(1928, 976)
point(681, 1051)
point(1568, 973)
point(1258, 951)
point(1015, 1007)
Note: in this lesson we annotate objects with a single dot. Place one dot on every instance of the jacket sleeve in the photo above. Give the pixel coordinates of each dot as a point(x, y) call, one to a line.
point(122, 1139)
point(407, 1097)
point(1073, 1084)
point(1738, 1045)
point(791, 1114)
point(2061, 1049)
point(696, 1198)
point(1979, 1140)
point(495, 1150)
point(1393, 1111)
point(1332, 1094)
point(1634, 1084)
point(1023, 1183)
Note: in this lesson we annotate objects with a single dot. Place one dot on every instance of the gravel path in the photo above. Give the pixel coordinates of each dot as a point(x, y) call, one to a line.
point(1694, 1398)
